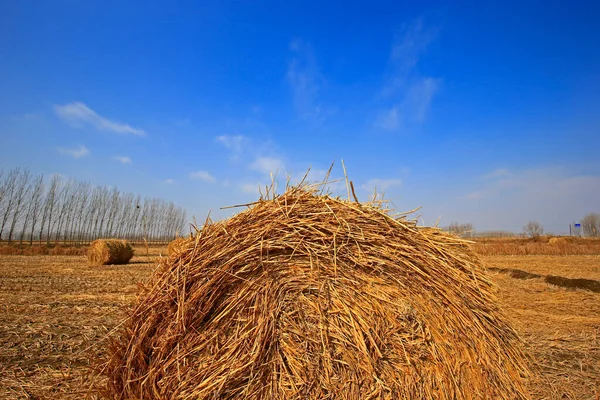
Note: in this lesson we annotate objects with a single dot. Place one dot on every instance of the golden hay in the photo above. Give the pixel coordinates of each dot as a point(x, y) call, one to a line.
point(176, 245)
point(561, 240)
point(109, 251)
point(306, 296)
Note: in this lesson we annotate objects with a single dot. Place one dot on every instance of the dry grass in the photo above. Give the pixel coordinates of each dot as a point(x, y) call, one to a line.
point(109, 252)
point(309, 297)
point(545, 246)
point(561, 327)
point(55, 311)
point(39, 250)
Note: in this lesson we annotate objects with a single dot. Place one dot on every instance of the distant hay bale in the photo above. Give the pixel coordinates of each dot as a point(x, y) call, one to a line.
point(307, 296)
point(176, 245)
point(561, 240)
point(109, 251)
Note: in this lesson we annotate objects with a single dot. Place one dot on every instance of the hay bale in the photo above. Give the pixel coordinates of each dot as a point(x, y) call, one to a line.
point(176, 245)
point(307, 297)
point(109, 251)
point(561, 240)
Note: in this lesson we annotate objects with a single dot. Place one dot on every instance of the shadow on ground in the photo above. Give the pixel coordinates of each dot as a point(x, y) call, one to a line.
point(577, 283)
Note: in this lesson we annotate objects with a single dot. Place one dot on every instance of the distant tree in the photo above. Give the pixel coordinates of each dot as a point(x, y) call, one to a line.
point(461, 229)
point(591, 224)
point(533, 229)
point(8, 187)
point(20, 195)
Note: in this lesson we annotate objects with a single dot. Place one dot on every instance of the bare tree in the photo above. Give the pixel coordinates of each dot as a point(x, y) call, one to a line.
point(20, 194)
point(74, 211)
point(462, 230)
point(533, 229)
point(8, 196)
point(31, 204)
point(590, 224)
point(49, 206)
point(36, 201)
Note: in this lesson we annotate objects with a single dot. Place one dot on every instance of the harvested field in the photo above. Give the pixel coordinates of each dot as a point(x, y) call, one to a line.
point(56, 310)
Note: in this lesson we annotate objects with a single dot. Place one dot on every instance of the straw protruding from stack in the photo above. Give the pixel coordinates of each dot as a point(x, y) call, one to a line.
point(305, 296)
point(176, 245)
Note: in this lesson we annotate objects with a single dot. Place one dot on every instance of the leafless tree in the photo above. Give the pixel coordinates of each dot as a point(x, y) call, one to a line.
point(590, 224)
point(20, 194)
point(36, 201)
point(533, 229)
point(9, 186)
point(49, 206)
point(462, 230)
point(74, 211)
point(34, 192)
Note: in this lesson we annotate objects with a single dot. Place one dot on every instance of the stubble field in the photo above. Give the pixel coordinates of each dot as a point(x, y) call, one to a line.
point(56, 312)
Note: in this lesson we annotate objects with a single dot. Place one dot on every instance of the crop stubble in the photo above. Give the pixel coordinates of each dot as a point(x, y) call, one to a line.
point(56, 311)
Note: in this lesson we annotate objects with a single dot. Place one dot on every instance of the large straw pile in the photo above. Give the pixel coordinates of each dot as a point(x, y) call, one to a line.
point(176, 245)
point(109, 251)
point(306, 296)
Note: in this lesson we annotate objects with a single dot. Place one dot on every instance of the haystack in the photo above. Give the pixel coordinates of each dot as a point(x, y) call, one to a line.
point(109, 251)
point(561, 240)
point(306, 296)
point(176, 245)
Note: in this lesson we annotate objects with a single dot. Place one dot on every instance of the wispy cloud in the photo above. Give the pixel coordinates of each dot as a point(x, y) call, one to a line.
point(77, 152)
point(382, 184)
point(498, 173)
point(123, 159)
point(169, 181)
point(305, 80)
point(409, 93)
point(203, 176)
point(250, 188)
point(553, 195)
point(267, 165)
point(234, 143)
point(389, 120)
point(77, 114)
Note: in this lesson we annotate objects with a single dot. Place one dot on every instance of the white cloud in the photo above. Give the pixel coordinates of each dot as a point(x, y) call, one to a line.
point(250, 188)
point(77, 113)
point(77, 152)
point(410, 93)
point(382, 184)
point(234, 143)
point(388, 120)
point(419, 97)
point(169, 181)
point(267, 165)
point(554, 196)
point(123, 159)
point(305, 80)
point(498, 173)
point(203, 176)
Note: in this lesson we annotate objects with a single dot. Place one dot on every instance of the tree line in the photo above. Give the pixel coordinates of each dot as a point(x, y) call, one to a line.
point(78, 212)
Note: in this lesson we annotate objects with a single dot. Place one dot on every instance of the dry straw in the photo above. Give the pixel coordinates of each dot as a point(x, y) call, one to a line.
point(175, 246)
point(109, 251)
point(305, 296)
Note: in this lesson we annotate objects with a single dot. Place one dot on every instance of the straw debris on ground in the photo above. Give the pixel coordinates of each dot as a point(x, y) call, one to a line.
point(109, 252)
point(306, 296)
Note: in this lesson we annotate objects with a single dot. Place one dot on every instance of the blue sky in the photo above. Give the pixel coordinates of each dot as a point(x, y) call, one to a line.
point(482, 113)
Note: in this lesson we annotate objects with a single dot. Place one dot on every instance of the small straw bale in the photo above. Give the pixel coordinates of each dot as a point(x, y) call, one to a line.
point(109, 251)
point(307, 296)
point(176, 246)
point(561, 240)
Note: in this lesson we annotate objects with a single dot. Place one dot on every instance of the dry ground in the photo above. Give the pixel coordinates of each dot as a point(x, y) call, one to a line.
point(55, 312)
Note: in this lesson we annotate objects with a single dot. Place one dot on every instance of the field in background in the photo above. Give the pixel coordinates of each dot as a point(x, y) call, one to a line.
point(55, 312)
point(545, 245)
